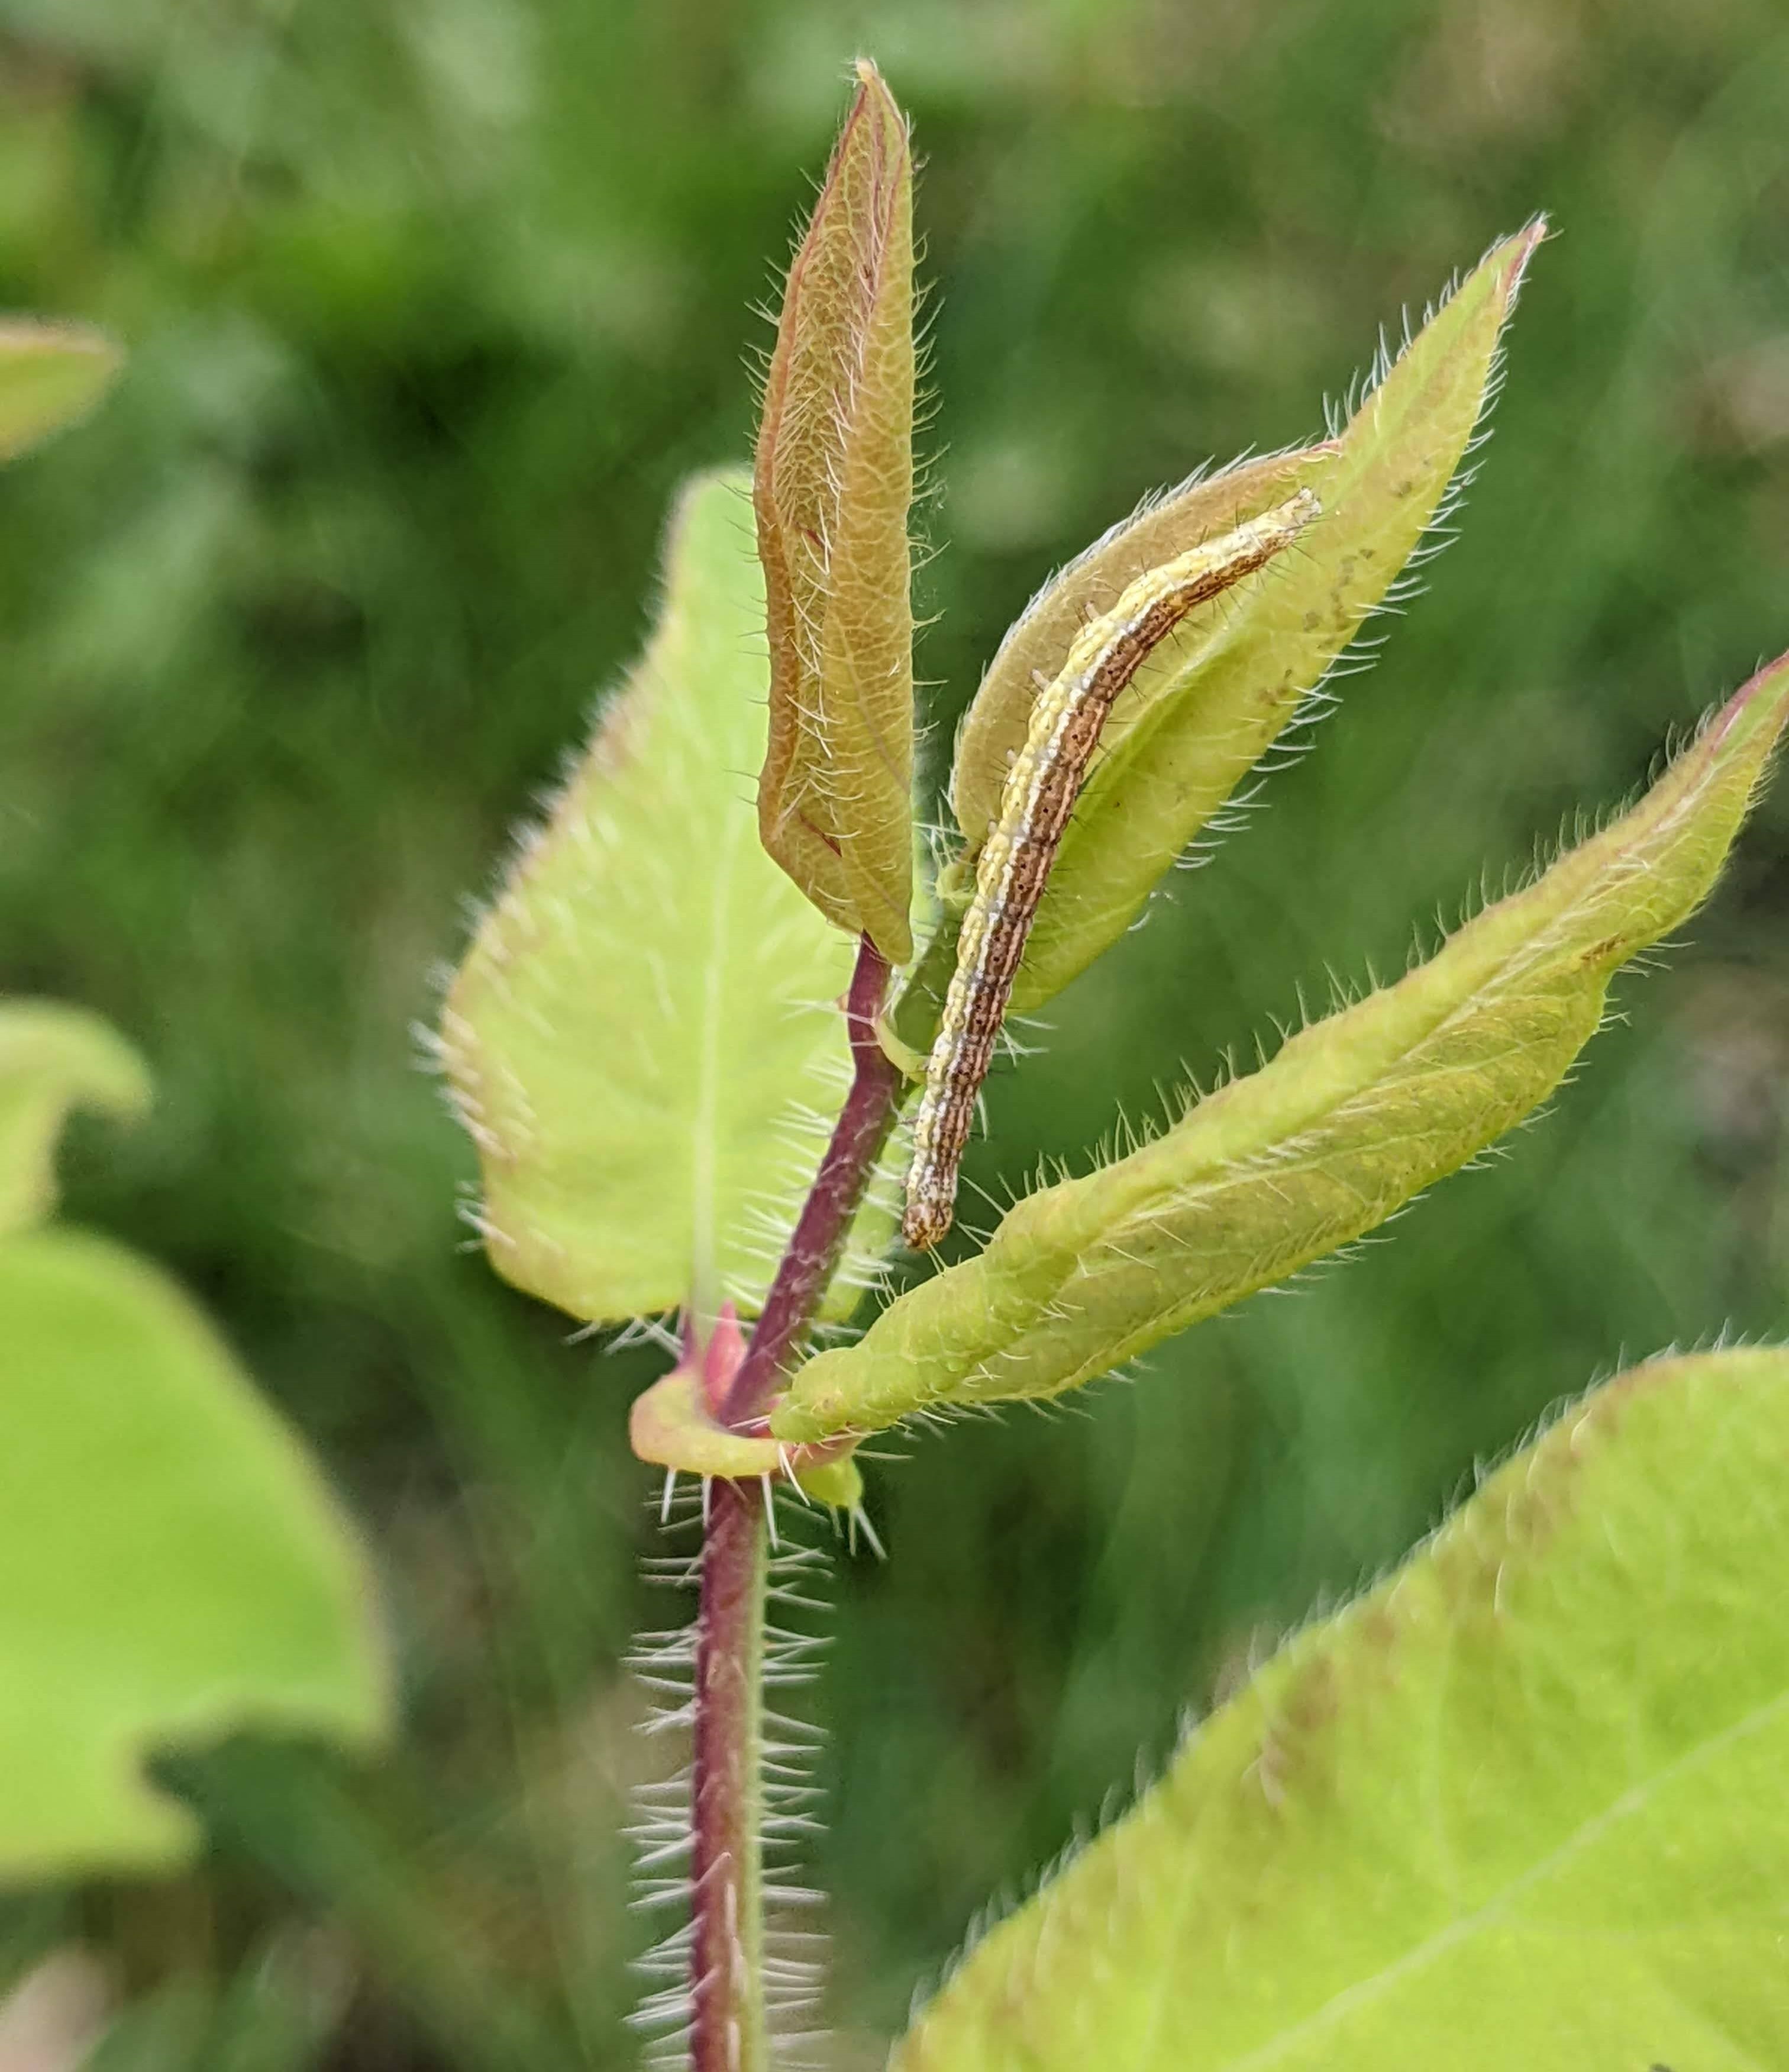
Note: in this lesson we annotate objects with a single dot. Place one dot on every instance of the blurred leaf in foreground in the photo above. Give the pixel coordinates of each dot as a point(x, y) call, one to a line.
point(54, 1058)
point(832, 487)
point(645, 1026)
point(51, 376)
point(170, 1566)
point(1354, 1116)
point(1521, 1809)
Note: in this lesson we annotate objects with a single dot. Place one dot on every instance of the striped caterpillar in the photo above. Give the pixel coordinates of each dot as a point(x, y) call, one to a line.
point(1035, 802)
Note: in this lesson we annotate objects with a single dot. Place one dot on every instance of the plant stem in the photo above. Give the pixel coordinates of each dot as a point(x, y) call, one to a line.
point(728, 2031)
point(858, 1135)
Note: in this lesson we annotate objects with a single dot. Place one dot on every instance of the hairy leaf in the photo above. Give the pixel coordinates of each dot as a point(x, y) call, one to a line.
point(832, 487)
point(1521, 1809)
point(54, 1058)
point(1038, 642)
point(1203, 709)
point(171, 1569)
point(51, 376)
point(1354, 1116)
point(645, 1024)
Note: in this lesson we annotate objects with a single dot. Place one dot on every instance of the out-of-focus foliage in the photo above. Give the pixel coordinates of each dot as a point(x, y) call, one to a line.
point(171, 1569)
point(50, 376)
point(431, 305)
point(53, 1059)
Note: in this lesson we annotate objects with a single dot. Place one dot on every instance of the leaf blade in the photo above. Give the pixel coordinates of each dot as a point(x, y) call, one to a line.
point(1356, 1116)
point(1524, 1773)
point(644, 1024)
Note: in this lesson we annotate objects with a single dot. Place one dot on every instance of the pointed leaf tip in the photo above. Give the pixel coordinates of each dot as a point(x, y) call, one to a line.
point(1201, 713)
point(832, 486)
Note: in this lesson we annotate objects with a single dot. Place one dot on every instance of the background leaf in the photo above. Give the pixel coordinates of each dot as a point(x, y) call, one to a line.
point(1519, 1807)
point(1208, 704)
point(646, 1020)
point(53, 1058)
point(832, 487)
point(171, 1566)
point(1354, 1116)
point(51, 376)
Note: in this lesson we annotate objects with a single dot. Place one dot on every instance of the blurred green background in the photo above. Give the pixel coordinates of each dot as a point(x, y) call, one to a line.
point(430, 304)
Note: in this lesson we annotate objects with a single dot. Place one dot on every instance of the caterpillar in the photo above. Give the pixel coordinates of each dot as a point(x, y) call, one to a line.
point(1035, 802)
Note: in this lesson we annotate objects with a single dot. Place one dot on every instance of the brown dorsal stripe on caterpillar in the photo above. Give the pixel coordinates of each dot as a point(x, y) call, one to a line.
point(1035, 802)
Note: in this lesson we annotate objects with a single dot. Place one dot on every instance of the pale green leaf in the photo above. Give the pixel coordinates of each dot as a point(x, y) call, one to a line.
point(171, 1569)
point(54, 1058)
point(832, 487)
point(1521, 1809)
point(1354, 1116)
point(51, 376)
point(644, 1032)
point(1038, 642)
point(1202, 710)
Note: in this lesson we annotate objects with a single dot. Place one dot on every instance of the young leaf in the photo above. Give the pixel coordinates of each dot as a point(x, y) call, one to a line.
point(54, 1058)
point(1521, 1809)
point(170, 1566)
point(832, 489)
point(1202, 712)
point(1038, 642)
point(646, 1014)
point(1353, 1117)
point(51, 376)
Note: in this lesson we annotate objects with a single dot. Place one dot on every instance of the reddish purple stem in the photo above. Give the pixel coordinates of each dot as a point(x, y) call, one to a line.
point(726, 1901)
point(726, 1946)
point(861, 1130)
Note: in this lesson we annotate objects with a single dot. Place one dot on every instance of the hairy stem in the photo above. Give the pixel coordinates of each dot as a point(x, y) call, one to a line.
point(728, 2031)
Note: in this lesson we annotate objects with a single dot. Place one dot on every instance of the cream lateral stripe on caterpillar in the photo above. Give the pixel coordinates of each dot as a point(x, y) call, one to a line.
point(1035, 803)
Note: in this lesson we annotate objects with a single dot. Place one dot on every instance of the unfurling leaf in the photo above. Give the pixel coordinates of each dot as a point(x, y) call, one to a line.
point(1519, 1809)
point(1353, 1117)
point(52, 1059)
point(51, 376)
point(1202, 711)
point(171, 1567)
point(831, 490)
point(645, 1021)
